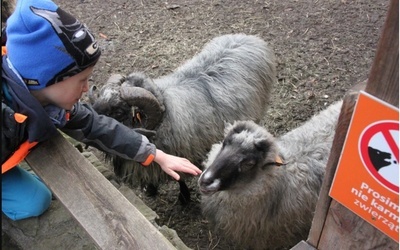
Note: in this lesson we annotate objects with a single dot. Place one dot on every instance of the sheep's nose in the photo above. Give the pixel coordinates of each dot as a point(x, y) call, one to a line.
point(208, 185)
point(203, 180)
point(207, 179)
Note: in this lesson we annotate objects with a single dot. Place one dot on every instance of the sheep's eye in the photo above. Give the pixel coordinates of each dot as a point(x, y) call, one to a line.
point(118, 114)
point(246, 165)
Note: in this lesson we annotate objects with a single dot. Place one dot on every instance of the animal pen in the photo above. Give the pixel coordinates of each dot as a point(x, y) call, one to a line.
point(113, 222)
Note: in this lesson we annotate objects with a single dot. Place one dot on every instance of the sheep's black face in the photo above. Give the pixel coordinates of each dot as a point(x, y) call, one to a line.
point(242, 155)
point(123, 115)
point(118, 110)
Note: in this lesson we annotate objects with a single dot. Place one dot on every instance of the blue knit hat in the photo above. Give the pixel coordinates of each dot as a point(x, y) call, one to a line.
point(47, 45)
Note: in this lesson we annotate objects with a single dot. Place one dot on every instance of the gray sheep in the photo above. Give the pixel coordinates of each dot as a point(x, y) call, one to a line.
point(260, 192)
point(230, 79)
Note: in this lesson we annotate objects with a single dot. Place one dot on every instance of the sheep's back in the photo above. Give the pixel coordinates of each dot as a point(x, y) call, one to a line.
point(236, 72)
point(190, 125)
point(310, 144)
point(306, 150)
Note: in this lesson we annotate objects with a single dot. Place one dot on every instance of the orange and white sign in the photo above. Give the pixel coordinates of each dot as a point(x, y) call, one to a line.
point(367, 177)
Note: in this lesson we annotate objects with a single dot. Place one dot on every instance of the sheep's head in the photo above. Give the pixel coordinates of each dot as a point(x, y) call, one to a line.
point(129, 100)
point(246, 149)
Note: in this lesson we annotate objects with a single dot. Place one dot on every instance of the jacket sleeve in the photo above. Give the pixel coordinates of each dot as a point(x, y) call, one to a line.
point(109, 135)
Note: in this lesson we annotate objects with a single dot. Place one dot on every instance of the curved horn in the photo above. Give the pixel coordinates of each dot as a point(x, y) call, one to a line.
point(116, 79)
point(145, 100)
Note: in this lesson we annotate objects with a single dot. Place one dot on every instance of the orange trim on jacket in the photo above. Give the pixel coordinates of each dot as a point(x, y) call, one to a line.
point(21, 152)
point(18, 156)
point(3, 50)
point(149, 160)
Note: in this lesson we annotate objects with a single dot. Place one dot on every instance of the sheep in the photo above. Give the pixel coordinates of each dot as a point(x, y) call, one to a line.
point(230, 79)
point(260, 192)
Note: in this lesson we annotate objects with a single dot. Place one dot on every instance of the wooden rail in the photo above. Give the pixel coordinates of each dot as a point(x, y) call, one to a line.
point(103, 212)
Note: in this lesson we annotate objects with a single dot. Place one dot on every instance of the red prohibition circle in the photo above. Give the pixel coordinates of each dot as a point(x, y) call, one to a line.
point(383, 127)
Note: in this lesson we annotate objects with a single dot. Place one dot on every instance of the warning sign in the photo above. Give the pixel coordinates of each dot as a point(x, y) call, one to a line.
point(367, 177)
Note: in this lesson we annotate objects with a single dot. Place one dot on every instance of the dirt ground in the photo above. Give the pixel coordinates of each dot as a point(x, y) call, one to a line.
point(323, 47)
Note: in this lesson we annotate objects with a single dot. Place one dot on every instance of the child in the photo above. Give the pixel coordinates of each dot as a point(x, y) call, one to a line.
point(49, 58)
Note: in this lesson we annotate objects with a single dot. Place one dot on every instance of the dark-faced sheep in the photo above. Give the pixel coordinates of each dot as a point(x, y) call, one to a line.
point(230, 79)
point(260, 192)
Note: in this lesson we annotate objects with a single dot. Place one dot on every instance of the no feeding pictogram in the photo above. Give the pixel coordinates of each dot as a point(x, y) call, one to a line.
point(379, 152)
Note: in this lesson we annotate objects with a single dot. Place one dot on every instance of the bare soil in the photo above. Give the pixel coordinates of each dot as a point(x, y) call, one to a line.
point(323, 47)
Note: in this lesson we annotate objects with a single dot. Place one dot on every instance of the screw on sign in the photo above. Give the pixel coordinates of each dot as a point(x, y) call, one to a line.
point(379, 151)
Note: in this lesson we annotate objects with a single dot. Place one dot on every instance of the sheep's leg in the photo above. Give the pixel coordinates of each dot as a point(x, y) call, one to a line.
point(184, 193)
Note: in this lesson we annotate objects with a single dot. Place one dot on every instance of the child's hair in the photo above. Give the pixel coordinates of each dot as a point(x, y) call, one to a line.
point(46, 45)
point(7, 8)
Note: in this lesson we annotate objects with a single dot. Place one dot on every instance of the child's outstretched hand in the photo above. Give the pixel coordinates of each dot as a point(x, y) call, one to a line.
point(170, 164)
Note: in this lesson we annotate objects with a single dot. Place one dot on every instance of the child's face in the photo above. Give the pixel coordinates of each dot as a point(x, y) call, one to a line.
point(66, 93)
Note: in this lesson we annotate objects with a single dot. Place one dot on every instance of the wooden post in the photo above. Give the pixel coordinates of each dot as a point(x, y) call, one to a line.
point(103, 212)
point(383, 79)
point(334, 226)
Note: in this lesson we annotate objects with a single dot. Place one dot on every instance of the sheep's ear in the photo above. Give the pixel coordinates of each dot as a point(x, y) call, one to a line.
point(261, 144)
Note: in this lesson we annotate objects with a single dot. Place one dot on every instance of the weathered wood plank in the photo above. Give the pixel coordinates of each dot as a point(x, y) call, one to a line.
point(345, 230)
point(104, 213)
point(383, 80)
point(302, 245)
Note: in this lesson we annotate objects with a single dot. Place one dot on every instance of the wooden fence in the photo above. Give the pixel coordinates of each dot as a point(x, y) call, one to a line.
point(103, 212)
